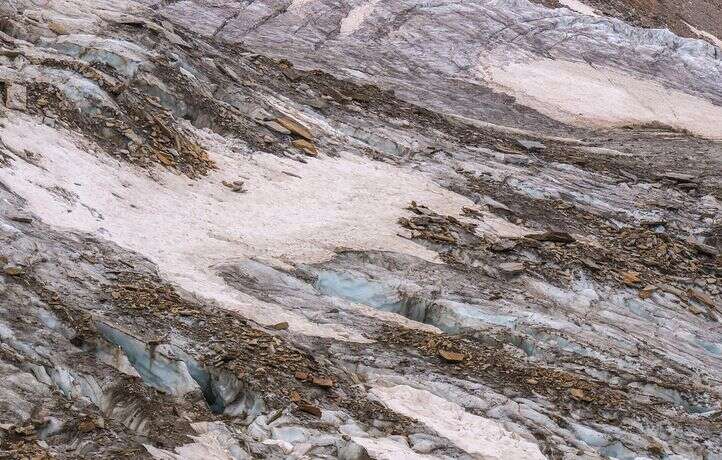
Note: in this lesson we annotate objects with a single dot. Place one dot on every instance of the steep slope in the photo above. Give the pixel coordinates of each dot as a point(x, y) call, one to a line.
point(313, 229)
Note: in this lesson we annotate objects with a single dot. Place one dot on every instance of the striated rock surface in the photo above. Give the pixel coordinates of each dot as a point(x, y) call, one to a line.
point(359, 229)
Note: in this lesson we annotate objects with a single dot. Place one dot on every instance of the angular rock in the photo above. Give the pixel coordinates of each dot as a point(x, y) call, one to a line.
point(677, 177)
point(630, 278)
point(310, 409)
point(295, 127)
point(705, 249)
point(647, 291)
point(325, 382)
point(702, 297)
point(13, 270)
point(277, 127)
point(492, 204)
point(531, 146)
point(511, 268)
point(16, 97)
point(451, 356)
point(21, 217)
point(504, 245)
point(307, 147)
point(280, 326)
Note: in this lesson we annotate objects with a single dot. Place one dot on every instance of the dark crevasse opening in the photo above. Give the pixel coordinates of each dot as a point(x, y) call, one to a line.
point(222, 391)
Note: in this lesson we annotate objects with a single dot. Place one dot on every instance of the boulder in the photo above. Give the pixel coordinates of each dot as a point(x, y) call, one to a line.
point(16, 96)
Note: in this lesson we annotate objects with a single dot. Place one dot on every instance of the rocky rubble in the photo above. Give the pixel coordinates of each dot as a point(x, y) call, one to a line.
point(304, 230)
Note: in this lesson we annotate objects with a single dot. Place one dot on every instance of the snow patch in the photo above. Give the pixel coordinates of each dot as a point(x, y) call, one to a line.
point(189, 227)
point(214, 442)
point(579, 7)
point(577, 93)
point(356, 17)
point(480, 437)
point(388, 449)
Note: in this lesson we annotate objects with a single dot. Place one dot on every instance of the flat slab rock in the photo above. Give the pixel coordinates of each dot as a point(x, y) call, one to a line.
point(16, 97)
point(530, 146)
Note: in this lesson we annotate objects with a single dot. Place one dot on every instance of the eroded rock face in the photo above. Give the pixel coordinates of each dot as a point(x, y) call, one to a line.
point(315, 229)
point(448, 55)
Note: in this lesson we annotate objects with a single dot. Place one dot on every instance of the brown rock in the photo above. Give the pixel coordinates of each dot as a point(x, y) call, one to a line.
point(701, 297)
point(301, 375)
point(579, 394)
point(630, 278)
point(647, 292)
point(310, 409)
point(451, 356)
point(308, 148)
point(13, 270)
point(325, 382)
point(163, 158)
point(86, 426)
point(280, 326)
point(295, 127)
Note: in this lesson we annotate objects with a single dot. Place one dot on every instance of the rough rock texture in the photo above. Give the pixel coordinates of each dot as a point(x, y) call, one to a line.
point(689, 19)
point(449, 54)
point(357, 229)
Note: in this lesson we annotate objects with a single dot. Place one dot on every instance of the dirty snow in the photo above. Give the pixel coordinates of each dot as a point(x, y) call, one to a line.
point(579, 7)
point(356, 17)
point(480, 437)
point(214, 442)
point(388, 449)
point(577, 93)
point(188, 227)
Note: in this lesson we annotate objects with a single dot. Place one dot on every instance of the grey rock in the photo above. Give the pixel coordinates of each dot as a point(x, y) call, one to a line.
point(277, 127)
point(16, 96)
point(678, 177)
point(531, 146)
point(511, 268)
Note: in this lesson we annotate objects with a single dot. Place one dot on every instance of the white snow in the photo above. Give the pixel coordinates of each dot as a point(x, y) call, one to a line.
point(214, 442)
point(577, 93)
point(188, 227)
point(388, 449)
point(482, 438)
point(579, 7)
point(356, 17)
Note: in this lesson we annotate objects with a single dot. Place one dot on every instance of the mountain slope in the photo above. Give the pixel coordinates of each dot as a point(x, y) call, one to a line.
point(314, 229)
